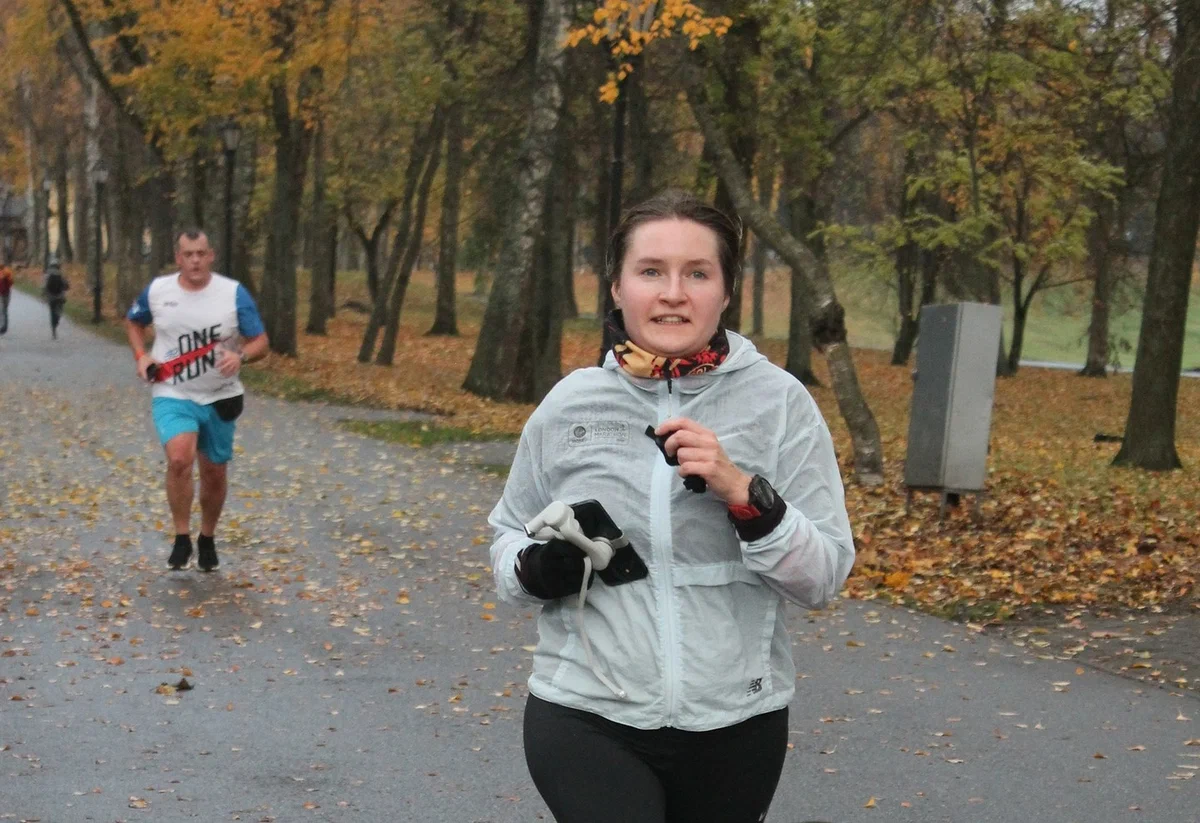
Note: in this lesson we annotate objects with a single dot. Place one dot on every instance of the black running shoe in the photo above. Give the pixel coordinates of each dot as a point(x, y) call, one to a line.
point(208, 553)
point(182, 551)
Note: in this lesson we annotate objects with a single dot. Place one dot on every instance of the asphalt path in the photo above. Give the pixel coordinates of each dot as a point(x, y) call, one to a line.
point(349, 661)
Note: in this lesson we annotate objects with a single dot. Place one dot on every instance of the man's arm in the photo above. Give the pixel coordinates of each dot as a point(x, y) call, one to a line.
point(137, 320)
point(255, 348)
point(136, 333)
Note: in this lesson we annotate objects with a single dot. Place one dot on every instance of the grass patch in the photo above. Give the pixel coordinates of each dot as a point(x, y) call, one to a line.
point(292, 388)
point(498, 469)
point(416, 433)
point(968, 611)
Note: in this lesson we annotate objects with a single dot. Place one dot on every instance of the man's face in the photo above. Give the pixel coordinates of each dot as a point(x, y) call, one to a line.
point(195, 259)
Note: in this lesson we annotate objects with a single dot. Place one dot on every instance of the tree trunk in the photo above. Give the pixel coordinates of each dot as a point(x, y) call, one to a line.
point(544, 324)
point(387, 347)
point(424, 143)
point(906, 265)
point(828, 316)
point(445, 319)
point(62, 189)
point(1150, 430)
point(570, 308)
point(1020, 315)
point(766, 192)
point(82, 183)
point(247, 225)
point(87, 228)
point(33, 187)
point(199, 187)
point(293, 138)
point(760, 284)
point(370, 247)
point(800, 339)
point(616, 176)
point(496, 368)
point(161, 211)
point(128, 218)
point(910, 324)
point(1100, 262)
point(323, 227)
point(742, 46)
point(641, 140)
point(600, 215)
point(553, 277)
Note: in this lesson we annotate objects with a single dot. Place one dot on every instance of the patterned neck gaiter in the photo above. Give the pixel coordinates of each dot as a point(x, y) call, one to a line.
point(641, 363)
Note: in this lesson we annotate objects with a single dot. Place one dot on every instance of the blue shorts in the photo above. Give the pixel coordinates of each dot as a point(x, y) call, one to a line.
point(173, 417)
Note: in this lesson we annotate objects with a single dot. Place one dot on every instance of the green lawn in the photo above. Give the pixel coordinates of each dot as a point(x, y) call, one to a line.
point(1056, 329)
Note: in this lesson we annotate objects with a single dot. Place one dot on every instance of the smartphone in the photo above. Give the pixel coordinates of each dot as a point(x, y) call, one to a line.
point(626, 566)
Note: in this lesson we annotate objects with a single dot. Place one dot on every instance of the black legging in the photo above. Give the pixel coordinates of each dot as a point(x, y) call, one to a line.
point(592, 770)
point(56, 310)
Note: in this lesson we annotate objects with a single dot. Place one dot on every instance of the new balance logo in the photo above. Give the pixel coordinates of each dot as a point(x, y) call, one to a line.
point(755, 686)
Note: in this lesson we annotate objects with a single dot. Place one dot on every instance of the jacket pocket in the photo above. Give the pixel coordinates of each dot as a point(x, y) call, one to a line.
point(727, 623)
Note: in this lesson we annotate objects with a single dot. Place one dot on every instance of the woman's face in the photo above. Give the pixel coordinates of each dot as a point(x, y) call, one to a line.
point(670, 287)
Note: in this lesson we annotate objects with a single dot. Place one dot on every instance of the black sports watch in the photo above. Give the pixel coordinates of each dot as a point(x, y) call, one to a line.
point(762, 514)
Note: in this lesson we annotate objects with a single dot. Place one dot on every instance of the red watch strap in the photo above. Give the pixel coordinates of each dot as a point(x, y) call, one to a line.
point(747, 512)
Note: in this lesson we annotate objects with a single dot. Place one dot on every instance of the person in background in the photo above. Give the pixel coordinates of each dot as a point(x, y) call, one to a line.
point(54, 288)
point(6, 283)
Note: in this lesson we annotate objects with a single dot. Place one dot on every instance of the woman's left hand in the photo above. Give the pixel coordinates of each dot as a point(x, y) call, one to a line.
point(700, 454)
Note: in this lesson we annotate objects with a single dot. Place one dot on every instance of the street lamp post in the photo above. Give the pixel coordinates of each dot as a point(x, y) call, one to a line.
point(231, 134)
point(47, 185)
point(99, 178)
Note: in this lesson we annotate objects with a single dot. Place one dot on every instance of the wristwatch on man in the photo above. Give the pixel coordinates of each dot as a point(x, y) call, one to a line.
point(761, 514)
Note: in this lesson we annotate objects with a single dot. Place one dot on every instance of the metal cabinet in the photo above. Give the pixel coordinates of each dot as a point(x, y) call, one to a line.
point(953, 388)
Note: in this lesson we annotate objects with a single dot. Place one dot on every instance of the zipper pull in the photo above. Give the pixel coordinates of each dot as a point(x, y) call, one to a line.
point(668, 382)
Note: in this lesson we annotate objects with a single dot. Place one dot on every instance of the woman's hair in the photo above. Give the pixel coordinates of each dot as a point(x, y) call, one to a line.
point(678, 205)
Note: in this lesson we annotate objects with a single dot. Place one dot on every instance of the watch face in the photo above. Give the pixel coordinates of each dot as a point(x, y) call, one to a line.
point(762, 494)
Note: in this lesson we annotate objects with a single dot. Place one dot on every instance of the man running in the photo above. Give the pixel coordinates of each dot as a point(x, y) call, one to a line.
point(205, 327)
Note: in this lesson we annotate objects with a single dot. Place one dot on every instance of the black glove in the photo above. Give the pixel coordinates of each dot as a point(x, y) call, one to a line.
point(552, 570)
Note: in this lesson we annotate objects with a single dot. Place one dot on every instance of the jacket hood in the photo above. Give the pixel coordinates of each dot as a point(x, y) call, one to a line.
point(742, 355)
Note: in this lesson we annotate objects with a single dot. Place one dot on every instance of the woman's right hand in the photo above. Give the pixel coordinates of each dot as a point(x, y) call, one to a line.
point(552, 570)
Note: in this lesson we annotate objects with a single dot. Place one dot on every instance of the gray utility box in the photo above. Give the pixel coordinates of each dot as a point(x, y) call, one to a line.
point(952, 397)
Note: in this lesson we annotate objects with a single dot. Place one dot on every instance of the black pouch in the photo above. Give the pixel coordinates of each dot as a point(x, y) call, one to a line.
point(230, 408)
point(625, 567)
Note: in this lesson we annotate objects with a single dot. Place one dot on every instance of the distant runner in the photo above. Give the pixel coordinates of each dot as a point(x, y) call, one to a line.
point(6, 282)
point(54, 287)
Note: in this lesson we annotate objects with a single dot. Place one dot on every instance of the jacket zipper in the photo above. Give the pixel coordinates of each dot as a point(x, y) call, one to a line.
point(662, 524)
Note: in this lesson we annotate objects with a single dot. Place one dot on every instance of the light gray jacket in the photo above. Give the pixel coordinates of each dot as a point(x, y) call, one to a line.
point(700, 644)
